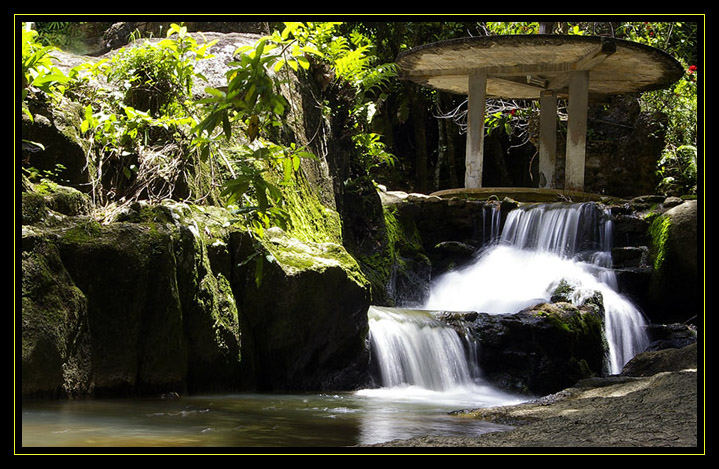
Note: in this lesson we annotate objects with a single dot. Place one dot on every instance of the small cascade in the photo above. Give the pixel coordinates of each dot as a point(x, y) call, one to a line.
point(539, 246)
point(412, 347)
point(490, 223)
point(421, 358)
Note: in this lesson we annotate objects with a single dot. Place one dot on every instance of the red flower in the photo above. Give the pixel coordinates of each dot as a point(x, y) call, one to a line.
point(513, 111)
point(692, 68)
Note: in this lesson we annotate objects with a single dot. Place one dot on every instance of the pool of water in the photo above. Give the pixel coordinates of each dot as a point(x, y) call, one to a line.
point(254, 420)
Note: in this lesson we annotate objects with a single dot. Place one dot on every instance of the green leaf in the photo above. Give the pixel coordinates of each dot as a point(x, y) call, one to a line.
point(215, 92)
point(304, 63)
point(226, 127)
point(278, 65)
point(287, 169)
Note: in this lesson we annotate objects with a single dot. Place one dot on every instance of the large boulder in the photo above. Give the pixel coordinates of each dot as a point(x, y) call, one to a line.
point(162, 299)
point(127, 272)
point(541, 349)
point(307, 314)
point(53, 321)
point(675, 284)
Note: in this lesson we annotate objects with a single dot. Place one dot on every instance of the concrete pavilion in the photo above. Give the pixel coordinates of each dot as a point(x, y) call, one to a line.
point(544, 67)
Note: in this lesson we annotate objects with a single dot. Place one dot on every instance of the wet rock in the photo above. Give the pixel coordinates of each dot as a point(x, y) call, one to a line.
point(664, 336)
point(630, 230)
point(653, 362)
point(634, 283)
point(450, 255)
point(539, 350)
point(672, 201)
point(54, 321)
point(630, 256)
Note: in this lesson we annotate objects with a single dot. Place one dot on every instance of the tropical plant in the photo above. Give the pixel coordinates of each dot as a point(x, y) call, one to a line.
point(38, 71)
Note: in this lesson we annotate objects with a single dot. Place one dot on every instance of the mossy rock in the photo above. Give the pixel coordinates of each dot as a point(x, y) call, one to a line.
point(34, 209)
point(127, 273)
point(56, 126)
point(54, 321)
point(541, 349)
point(64, 199)
point(210, 317)
point(674, 287)
point(307, 314)
point(46, 202)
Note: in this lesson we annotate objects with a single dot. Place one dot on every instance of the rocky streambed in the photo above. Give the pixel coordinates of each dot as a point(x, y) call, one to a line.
point(653, 403)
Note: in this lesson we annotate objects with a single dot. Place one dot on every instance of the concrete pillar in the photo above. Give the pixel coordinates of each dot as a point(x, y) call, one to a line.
point(547, 138)
point(475, 130)
point(576, 130)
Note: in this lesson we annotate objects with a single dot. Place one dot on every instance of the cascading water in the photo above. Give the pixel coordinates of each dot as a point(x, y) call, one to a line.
point(540, 246)
point(420, 358)
point(413, 347)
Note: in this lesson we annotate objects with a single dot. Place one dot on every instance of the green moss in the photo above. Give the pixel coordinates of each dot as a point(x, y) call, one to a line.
point(294, 255)
point(310, 220)
point(53, 309)
point(559, 322)
point(84, 231)
point(563, 292)
point(659, 232)
point(33, 208)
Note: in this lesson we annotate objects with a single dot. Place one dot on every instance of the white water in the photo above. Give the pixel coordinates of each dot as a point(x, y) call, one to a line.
point(540, 246)
point(422, 360)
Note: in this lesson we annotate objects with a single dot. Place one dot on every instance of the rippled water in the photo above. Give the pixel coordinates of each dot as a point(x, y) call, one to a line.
point(251, 420)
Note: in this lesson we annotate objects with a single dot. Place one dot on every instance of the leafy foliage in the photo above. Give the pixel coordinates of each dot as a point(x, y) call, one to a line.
point(38, 71)
point(139, 126)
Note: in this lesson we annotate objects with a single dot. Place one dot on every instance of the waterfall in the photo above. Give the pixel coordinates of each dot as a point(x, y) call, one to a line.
point(412, 347)
point(420, 358)
point(539, 246)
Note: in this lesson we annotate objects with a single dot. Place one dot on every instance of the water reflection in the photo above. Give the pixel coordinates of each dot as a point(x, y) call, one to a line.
point(247, 420)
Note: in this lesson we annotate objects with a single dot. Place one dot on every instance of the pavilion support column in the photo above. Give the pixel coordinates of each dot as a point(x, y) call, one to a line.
point(475, 130)
point(547, 138)
point(576, 130)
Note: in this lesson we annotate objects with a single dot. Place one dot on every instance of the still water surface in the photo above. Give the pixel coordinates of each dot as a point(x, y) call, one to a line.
point(251, 420)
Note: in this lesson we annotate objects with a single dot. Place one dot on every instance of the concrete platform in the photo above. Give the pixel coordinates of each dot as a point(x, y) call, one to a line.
point(523, 194)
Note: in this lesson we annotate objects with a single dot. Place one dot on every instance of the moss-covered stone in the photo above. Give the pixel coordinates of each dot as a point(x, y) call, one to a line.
point(398, 270)
point(675, 286)
point(127, 272)
point(34, 208)
point(295, 256)
point(307, 315)
point(56, 126)
point(541, 349)
point(63, 199)
point(210, 317)
point(659, 232)
point(54, 323)
point(310, 219)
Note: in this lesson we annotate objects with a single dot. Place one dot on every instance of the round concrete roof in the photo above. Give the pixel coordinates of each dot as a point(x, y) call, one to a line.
point(521, 66)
